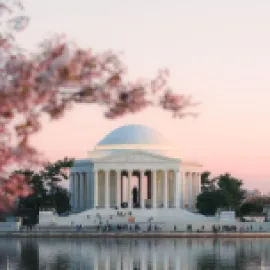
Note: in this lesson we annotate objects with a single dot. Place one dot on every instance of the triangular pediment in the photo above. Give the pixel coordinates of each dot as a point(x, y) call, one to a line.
point(138, 156)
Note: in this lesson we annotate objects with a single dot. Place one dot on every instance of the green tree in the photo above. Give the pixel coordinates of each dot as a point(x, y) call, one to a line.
point(251, 208)
point(207, 184)
point(231, 191)
point(52, 175)
point(223, 191)
point(47, 193)
point(62, 200)
point(209, 201)
point(28, 207)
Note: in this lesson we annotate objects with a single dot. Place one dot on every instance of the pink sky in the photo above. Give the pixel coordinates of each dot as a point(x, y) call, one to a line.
point(217, 51)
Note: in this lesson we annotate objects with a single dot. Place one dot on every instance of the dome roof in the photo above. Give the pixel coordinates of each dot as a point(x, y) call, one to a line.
point(133, 135)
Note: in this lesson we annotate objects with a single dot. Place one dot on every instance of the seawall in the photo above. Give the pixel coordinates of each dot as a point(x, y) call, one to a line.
point(134, 235)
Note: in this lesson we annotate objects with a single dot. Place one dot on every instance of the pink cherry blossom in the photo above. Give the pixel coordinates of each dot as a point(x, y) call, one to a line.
point(50, 81)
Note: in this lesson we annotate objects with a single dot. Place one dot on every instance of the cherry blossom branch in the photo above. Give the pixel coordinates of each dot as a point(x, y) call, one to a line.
point(50, 81)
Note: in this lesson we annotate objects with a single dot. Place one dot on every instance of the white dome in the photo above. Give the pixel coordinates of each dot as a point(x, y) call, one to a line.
point(133, 136)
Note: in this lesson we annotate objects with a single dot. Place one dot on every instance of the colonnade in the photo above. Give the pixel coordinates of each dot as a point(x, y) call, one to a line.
point(80, 189)
point(104, 188)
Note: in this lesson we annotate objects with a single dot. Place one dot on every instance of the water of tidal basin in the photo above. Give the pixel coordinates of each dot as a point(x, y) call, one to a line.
point(126, 254)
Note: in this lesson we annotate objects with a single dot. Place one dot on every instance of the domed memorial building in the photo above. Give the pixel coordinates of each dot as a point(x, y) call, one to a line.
point(134, 167)
point(134, 179)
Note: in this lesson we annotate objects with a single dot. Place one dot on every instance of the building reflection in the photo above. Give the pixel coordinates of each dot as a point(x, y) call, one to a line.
point(127, 254)
point(9, 251)
point(29, 254)
point(134, 254)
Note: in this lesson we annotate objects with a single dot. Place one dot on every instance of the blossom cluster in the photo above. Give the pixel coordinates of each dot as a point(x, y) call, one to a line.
point(50, 81)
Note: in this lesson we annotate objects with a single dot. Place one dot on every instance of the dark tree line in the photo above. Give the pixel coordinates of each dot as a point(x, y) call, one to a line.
point(223, 191)
point(226, 192)
point(47, 191)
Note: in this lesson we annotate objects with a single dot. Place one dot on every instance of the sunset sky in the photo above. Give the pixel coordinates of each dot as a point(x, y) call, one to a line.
point(216, 51)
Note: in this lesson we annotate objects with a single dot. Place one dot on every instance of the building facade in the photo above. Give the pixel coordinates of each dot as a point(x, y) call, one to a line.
point(134, 167)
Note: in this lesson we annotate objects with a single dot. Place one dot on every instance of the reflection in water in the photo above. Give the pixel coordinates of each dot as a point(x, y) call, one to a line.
point(29, 255)
point(132, 254)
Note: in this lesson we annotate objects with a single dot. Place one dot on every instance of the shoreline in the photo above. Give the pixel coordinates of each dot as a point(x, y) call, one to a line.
point(146, 235)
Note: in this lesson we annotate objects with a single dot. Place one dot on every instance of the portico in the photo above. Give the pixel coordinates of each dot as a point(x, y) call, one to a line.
point(132, 168)
point(162, 189)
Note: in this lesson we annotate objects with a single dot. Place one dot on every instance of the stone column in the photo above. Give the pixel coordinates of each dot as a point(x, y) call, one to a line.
point(189, 182)
point(181, 190)
point(154, 189)
point(199, 183)
point(89, 177)
point(194, 187)
point(129, 190)
point(176, 189)
point(185, 194)
point(188, 189)
point(71, 189)
point(74, 191)
point(77, 190)
point(82, 190)
point(196, 190)
point(165, 189)
point(85, 192)
point(79, 177)
point(141, 189)
point(118, 189)
point(107, 190)
point(95, 189)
